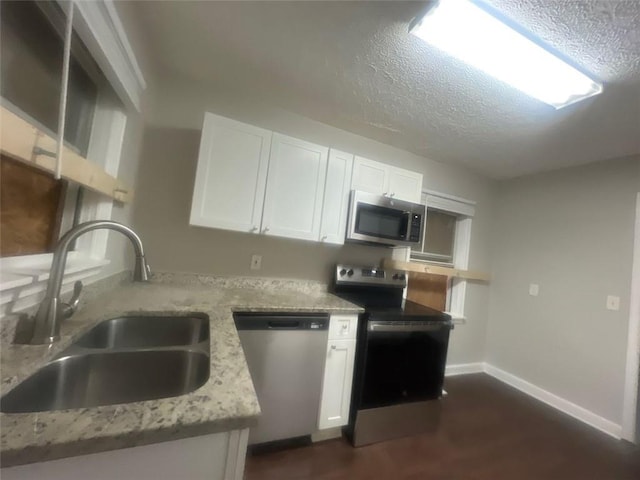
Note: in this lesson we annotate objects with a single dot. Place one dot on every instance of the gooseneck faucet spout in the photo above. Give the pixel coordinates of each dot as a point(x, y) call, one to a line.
point(52, 311)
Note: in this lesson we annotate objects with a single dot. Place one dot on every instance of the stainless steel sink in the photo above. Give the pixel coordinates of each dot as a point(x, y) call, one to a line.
point(90, 380)
point(147, 331)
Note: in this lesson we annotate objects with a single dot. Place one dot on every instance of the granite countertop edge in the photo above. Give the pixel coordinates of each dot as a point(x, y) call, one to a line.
point(227, 401)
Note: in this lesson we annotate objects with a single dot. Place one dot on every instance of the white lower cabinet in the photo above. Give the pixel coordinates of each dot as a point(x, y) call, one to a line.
point(338, 372)
point(217, 456)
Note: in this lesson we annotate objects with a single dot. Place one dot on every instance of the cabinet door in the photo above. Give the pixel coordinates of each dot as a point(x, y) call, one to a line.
point(343, 327)
point(295, 188)
point(336, 388)
point(336, 197)
point(231, 175)
point(370, 176)
point(405, 184)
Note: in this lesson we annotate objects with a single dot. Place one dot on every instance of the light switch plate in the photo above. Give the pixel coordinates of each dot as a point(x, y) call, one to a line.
point(256, 262)
point(613, 302)
point(534, 289)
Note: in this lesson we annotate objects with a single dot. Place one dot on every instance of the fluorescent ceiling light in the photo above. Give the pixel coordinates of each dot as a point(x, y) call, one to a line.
point(470, 34)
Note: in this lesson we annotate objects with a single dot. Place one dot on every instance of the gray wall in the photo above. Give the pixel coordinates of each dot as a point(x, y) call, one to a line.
point(165, 186)
point(571, 232)
point(119, 250)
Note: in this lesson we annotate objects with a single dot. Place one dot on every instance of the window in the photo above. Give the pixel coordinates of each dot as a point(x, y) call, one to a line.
point(446, 241)
point(36, 208)
point(31, 67)
point(103, 78)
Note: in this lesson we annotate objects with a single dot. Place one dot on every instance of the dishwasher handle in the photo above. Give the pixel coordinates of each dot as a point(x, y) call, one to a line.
point(282, 321)
point(283, 324)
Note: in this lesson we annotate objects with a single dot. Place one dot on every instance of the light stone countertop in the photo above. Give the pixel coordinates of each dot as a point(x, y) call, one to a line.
point(227, 401)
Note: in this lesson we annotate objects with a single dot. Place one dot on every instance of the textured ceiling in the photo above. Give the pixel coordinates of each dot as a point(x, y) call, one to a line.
point(353, 65)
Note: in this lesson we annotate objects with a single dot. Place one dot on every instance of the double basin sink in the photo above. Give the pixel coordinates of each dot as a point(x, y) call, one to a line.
point(121, 360)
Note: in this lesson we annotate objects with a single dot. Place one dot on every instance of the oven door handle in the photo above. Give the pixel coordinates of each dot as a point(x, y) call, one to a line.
point(405, 327)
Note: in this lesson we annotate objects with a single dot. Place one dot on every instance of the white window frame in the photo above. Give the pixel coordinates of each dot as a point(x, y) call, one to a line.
point(23, 279)
point(464, 210)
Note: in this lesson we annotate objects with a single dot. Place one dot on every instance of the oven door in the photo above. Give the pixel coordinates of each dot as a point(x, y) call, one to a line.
point(403, 362)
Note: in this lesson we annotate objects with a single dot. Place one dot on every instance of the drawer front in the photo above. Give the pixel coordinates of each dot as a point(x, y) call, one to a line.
point(343, 327)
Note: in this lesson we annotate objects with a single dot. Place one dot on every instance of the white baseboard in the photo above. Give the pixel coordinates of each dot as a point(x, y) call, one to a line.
point(463, 369)
point(565, 406)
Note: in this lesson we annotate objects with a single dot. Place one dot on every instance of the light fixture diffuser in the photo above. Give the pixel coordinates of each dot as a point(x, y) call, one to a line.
point(465, 31)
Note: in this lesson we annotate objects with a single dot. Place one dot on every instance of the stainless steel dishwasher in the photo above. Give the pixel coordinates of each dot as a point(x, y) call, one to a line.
point(286, 354)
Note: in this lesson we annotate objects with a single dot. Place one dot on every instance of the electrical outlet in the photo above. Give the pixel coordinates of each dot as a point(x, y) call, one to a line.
point(534, 289)
point(256, 262)
point(613, 302)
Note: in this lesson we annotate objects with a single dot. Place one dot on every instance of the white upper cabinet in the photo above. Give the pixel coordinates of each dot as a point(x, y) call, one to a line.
point(369, 176)
point(336, 197)
point(381, 179)
point(231, 175)
point(295, 188)
point(252, 180)
point(405, 185)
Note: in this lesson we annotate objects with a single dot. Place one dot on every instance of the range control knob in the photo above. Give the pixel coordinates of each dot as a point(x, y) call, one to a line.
point(350, 272)
point(343, 272)
point(398, 276)
point(401, 276)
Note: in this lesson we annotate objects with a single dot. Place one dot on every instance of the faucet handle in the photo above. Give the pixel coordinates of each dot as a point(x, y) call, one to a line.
point(69, 308)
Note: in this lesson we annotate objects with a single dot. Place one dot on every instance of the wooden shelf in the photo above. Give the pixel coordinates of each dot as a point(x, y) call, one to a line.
point(419, 267)
point(23, 142)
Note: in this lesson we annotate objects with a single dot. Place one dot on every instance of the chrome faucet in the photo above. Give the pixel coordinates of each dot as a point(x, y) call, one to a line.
point(52, 311)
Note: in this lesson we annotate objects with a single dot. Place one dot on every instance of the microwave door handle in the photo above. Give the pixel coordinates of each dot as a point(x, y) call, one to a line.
point(405, 224)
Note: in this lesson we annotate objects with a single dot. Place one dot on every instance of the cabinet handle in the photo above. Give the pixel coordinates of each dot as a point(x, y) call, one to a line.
point(333, 347)
point(265, 230)
point(323, 238)
point(392, 195)
point(385, 194)
point(253, 229)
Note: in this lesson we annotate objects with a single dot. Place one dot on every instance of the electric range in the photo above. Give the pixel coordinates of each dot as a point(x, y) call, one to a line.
point(401, 353)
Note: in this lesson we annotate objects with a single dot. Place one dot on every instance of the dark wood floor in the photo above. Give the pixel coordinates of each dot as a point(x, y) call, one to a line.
point(488, 431)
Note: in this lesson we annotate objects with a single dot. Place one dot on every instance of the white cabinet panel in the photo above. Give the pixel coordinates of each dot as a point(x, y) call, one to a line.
point(295, 188)
point(231, 175)
point(369, 176)
point(343, 327)
point(336, 197)
point(336, 389)
point(381, 179)
point(405, 184)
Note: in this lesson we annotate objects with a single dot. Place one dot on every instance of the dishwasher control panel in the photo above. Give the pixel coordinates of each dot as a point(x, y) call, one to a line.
point(281, 321)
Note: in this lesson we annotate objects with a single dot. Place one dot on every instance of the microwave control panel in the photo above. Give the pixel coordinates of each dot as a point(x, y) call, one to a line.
point(414, 230)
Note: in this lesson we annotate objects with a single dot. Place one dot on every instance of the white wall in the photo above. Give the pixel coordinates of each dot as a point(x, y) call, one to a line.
point(571, 232)
point(165, 187)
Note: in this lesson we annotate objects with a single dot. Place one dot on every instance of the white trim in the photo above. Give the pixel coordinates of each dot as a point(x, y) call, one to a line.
point(463, 369)
point(559, 403)
point(100, 28)
point(462, 246)
point(448, 197)
point(105, 147)
point(236, 454)
point(16, 296)
point(630, 402)
point(447, 203)
point(565, 406)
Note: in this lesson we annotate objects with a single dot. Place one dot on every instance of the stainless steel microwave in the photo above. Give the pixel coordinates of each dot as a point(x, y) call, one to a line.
point(384, 220)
